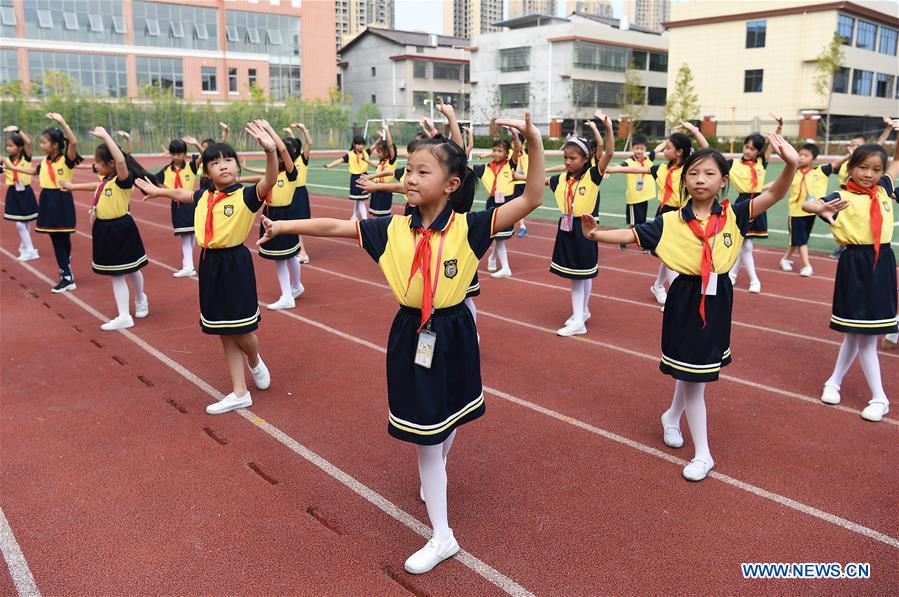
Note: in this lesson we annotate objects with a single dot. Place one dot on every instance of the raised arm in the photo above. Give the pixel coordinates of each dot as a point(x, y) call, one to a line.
point(882, 139)
point(226, 132)
point(453, 122)
point(257, 130)
point(509, 213)
point(26, 139)
point(191, 141)
point(781, 186)
point(516, 146)
point(71, 139)
point(82, 186)
point(10, 166)
point(248, 168)
point(893, 169)
point(780, 129)
point(470, 133)
point(289, 131)
point(127, 136)
point(627, 170)
point(314, 227)
point(153, 191)
point(333, 163)
point(609, 150)
point(307, 138)
point(280, 148)
point(694, 130)
point(121, 168)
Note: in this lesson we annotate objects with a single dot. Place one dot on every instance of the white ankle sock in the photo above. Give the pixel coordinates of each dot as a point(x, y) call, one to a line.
point(120, 292)
point(283, 278)
point(137, 281)
point(295, 269)
point(661, 276)
point(676, 410)
point(187, 251)
point(24, 236)
point(501, 254)
point(360, 210)
point(847, 354)
point(694, 405)
point(588, 288)
point(867, 357)
point(432, 472)
point(749, 260)
point(577, 301)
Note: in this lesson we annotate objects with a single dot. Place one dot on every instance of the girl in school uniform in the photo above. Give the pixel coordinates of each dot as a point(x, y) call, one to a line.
point(864, 295)
point(385, 153)
point(56, 207)
point(667, 175)
point(301, 193)
point(497, 178)
point(21, 206)
point(195, 162)
point(279, 206)
point(748, 177)
point(357, 161)
point(577, 194)
point(181, 174)
point(223, 221)
point(521, 175)
point(118, 251)
point(700, 242)
point(428, 258)
point(640, 188)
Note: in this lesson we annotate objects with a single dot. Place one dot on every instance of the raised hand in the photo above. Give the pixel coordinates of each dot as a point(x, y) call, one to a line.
point(13, 128)
point(190, 140)
point(146, 186)
point(224, 126)
point(784, 149)
point(257, 131)
point(57, 118)
point(446, 109)
point(270, 229)
point(588, 225)
point(124, 134)
point(777, 118)
point(99, 132)
point(832, 208)
point(689, 126)
point(526, 127)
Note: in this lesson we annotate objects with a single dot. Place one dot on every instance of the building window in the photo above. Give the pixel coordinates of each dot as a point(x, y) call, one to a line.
point(600, 56)
point(420, 69)
point(374, 98)
point(232, 80)
point(119, 26)
point(176, 30)
point(284, 81)
point(447, 71)
point(419, 97)
point(208, 78)
point(374, 71)
point(263, 33)
point(232, 34)
point(95, 23)
point(657, 96)
point(45, 19)
point(515, 96)
point(70, 21)
point(865, 34)
point(755, 34)
point(8, 16)
point(658, 62)
point(861, 82)
point(638, 59)
point(251, 77)
point(887, 43)
point(419, 50)
point(201, 31)
point(752, 81)
point(97, 74)
point(596, 93)
point(273, 37)
point(845, 25)
point(152, 28)
point(841, 80)
point(515, 59)
point(9, 66)
point(162, 74)
point(883, 85)
point(176, 26)
point(83, 21)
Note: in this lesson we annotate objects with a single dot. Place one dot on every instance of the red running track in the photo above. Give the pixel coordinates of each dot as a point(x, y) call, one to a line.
point(115, 480)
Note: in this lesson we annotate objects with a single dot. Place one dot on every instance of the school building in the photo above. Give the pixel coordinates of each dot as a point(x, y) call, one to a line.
point(198, 49)
point(751, 59)
point(563, 68)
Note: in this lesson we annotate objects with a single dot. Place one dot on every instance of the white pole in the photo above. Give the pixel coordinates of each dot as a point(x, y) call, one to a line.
point(549, 86)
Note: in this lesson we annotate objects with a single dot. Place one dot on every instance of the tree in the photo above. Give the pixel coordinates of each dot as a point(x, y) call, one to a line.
point(683, 103)
point(827, 65)
point(632, 101)
point(368, 111)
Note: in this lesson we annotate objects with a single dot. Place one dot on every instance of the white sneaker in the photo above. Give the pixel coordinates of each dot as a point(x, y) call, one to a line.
point(285, 302)
point(830, 395)
point(698, 469)
point(28, 255)
point(229, 403)
point(261, 376)
point(806, 272)
point(185, 272)
point(570, 320)
point(431, 554)
point(875, 411)
point(672, 436)
point(755, 286)
point(298, 291)
point(491, 263)
point(573, 329)
point(659, 293)
point(502, 273)
point(786, 265)
point(421, 493)
point(141, 307)
point(119, 323)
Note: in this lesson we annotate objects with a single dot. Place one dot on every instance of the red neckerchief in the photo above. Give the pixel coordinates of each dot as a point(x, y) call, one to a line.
point(211, 201)
point(15, 173)
point(876, 216)
point(715, 223)
point(802, 182)
point(358, 157)
point(52, 172)
point(421, 261)
point(639, 161)
point(755, 175)
point(496, 172)
point(100, 188)
point(570, 185)
point(669, 183)
point(177, 172)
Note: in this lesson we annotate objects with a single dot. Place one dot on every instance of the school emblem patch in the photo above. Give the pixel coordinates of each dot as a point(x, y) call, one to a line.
point(59, 171)
point(728, 240)
point(280, 183)
point(108, 192)
point(507, 174)
point(582, 191)
point(886, 206)
point(229, 210)
point(450, 268)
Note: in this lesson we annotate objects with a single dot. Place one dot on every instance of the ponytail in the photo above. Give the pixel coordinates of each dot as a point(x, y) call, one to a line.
point(462, 198)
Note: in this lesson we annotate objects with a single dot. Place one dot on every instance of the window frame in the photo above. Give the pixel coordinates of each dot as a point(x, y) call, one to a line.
point(754, 37)
point(176, 29)
point(861, 80)
point(844, 76)
point(872, 31)
point(44, 19)
point(841, 18)
point(233, 77)
point(119, 25)
point(67, 25)
point(91, 20)
point(748, 77)
point(209, 81)
point(152, 25)
point(8, 16)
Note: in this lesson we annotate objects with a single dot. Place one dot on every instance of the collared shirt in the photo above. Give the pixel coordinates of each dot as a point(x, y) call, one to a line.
point(281, 194)
point(357, 162)
point(741, 175)
point(852, 226)
point(114, 198)
point(660, 173)
point(814, 186)
point(25, 179)
point(301, 165)
point(63, 167)
point(500, 182)
point(636, 194)
point(166, 176)
point(233, 216)
point(584, 191)
point(391, 242)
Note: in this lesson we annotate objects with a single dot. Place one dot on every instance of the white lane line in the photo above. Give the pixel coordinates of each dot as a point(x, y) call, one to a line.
point(467, 559)
point(15, 561)
point(748, 487)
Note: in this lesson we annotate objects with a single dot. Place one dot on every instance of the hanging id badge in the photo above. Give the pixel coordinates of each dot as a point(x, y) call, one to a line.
point(712, 288)
point(499, 198)
point(20, 186)
point(566, 224)
point(810, 198)
point(639, 184)
point(424, 352)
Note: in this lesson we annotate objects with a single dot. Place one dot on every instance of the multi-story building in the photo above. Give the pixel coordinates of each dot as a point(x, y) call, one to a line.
point(399, 70)
point(353, 16)
point(649, 14)
point(601, 8)
point(467, 18)
point(518, 8)
point(198, 49)
point(563, 68)
point(741, 73)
